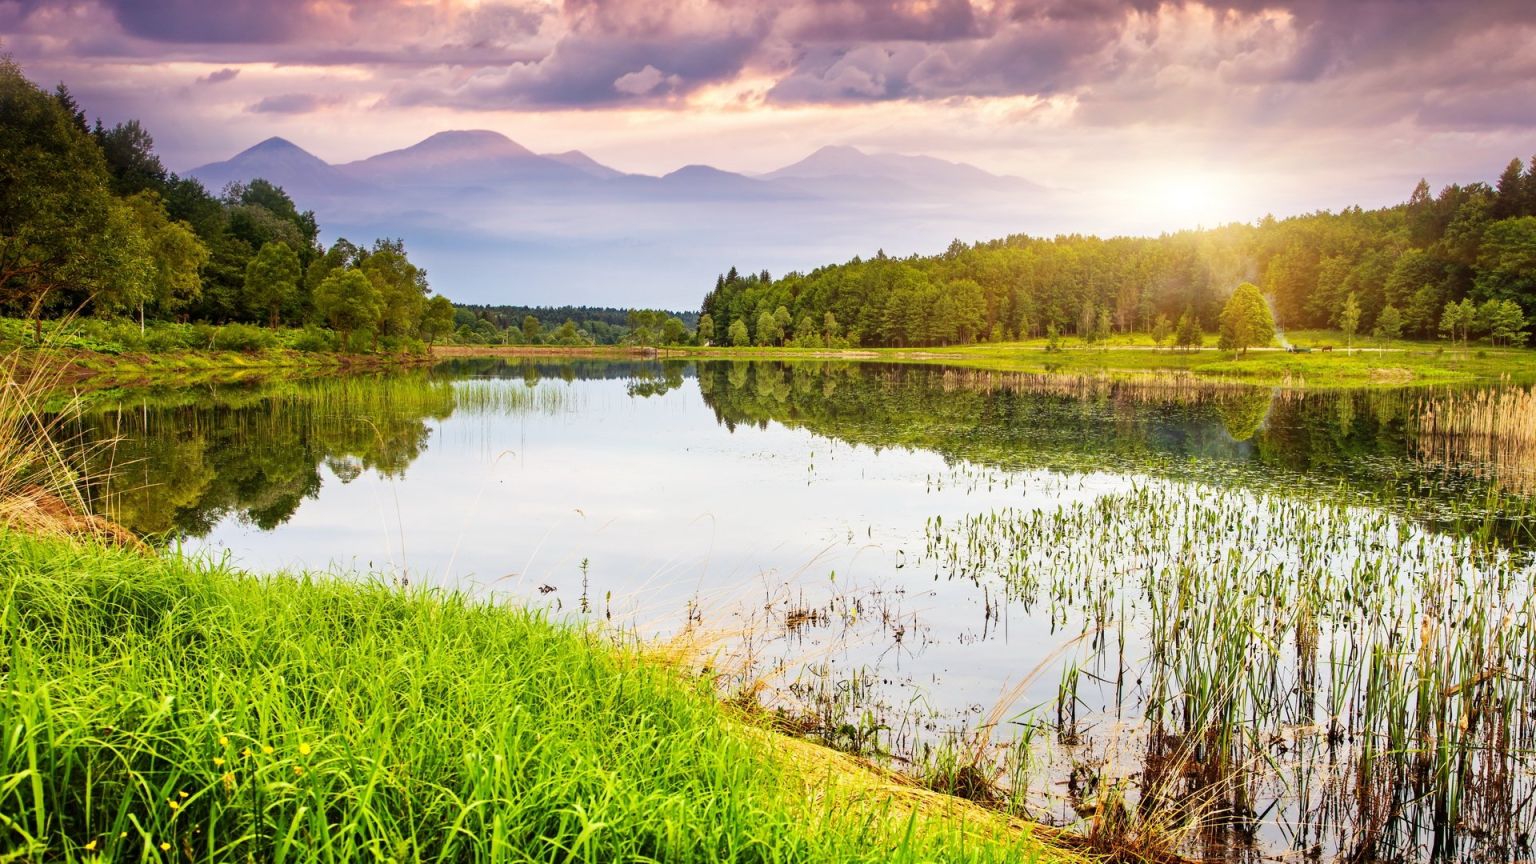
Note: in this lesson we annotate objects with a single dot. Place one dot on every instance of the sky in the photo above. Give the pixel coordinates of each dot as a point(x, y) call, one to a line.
point(1183, 110)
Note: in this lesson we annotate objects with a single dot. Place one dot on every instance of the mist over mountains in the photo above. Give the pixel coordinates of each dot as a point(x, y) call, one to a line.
point(495, 222)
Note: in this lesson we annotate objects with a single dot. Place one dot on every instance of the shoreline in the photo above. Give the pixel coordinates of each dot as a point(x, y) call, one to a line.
point(813, 797)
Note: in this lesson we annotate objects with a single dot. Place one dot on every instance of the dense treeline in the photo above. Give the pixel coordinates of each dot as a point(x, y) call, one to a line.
point(91, 223)
point(571, 325)
point(1461, 264)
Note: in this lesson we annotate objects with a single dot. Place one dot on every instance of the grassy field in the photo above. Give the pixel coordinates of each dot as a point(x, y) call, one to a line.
point(159, 709)
point(1369, 364)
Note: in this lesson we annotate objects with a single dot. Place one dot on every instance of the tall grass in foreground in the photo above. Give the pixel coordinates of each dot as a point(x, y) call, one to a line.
point(158, 709)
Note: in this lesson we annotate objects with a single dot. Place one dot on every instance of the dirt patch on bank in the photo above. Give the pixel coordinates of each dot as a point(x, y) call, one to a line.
point(35, 510)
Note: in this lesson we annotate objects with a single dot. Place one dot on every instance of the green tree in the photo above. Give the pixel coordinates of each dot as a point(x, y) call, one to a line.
point(706, 331)
point(829, 330)
point(781, 322)
point(1389, 324)
point(738, 334)
point(1188, 336)
point(531, 329)
point(1349, 320)
point(1506, 323)
point(348, 302)
point(1457, 320)
point(176, 253)
point(402, 287)
point(1162, 330)
point(1506, 265)
point(674, 331)
point(437, 321)
point(271, 279)
point(768, 331)
point(61, 232)
point(1245, 320)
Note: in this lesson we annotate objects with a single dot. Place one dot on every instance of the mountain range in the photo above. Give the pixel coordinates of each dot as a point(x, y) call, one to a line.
point(496, 222)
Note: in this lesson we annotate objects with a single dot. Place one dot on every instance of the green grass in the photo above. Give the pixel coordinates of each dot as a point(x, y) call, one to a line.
point(159, 709)
point(1392, 364)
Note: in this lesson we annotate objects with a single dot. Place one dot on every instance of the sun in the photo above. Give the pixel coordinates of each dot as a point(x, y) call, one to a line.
point(1193, 198)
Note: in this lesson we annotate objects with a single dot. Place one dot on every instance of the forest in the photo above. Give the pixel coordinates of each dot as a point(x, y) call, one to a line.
point(92, 224)
point(571, 325)
point(1460, 264)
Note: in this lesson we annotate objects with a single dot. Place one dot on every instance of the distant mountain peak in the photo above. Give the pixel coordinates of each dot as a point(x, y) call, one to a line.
point(585, 164)
point(275, 147)
point(468, 142)
point(280, 161)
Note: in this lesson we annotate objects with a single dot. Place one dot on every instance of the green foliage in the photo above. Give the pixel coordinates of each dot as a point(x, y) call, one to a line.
point(271, 279)
point(64, 239)
point(1389, 324)
point(177, 255)
point(768, 332)
point(1162, 330)
point(161, 708)
point(1188, 334)
point(437, 321)
point(348, 301)
point(1245, 320)
point(1349, 319)
point(706, 331)
point(1468, 240)
point(738, 333)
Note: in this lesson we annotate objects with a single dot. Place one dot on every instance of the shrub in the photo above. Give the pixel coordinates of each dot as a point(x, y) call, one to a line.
point(242, 337)
point(313, 339)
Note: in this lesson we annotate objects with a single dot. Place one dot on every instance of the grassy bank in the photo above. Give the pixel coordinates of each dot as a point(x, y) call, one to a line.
point(1369, 364)
point(165, 710)
point(97, 354)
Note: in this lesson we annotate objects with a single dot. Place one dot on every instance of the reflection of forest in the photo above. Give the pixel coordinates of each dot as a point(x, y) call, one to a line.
point(186, 459)
point(177, 469)
point(1358, 442)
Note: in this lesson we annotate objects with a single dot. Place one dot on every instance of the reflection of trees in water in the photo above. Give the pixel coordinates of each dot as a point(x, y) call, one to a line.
point(1359, 443)
point(178, 469)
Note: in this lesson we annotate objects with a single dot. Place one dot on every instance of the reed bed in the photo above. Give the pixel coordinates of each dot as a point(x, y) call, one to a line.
point(1490, 430)
point(1178, 387)
point(1332, 675)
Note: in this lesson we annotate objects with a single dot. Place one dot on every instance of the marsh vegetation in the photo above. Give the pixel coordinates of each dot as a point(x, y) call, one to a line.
point(1164, 615)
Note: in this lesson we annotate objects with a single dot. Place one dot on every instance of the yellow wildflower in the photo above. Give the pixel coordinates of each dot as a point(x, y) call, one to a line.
point(223, 740)
point(267, 749)
point(304, 750)
point(91, 846)
point(229, 780)
point(165, 847)
point(175, 805)
point(246, 752)
point(218, 761)
point(182, 793)
point(298, 771)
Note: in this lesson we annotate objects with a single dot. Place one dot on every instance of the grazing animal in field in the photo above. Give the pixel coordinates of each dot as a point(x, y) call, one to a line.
point(1327, 347)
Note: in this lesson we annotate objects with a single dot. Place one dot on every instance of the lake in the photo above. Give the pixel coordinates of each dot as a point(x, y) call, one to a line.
point(1291, 623)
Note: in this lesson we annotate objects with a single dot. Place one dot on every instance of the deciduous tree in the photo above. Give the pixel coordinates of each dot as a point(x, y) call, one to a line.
point(1245, 320)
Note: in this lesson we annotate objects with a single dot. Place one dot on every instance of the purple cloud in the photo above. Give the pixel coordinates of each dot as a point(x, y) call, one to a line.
point(219, 76)
point(293, 103)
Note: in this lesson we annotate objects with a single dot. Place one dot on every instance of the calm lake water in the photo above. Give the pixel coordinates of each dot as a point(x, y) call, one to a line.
point(851, 535)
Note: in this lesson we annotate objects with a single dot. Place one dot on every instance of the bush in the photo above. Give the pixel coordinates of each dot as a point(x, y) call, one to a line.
point(242, 337)
point(313, 339)
point(169, 337)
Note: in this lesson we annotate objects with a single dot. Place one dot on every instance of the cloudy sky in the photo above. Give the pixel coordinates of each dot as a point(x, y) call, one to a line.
point(1184, 109)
